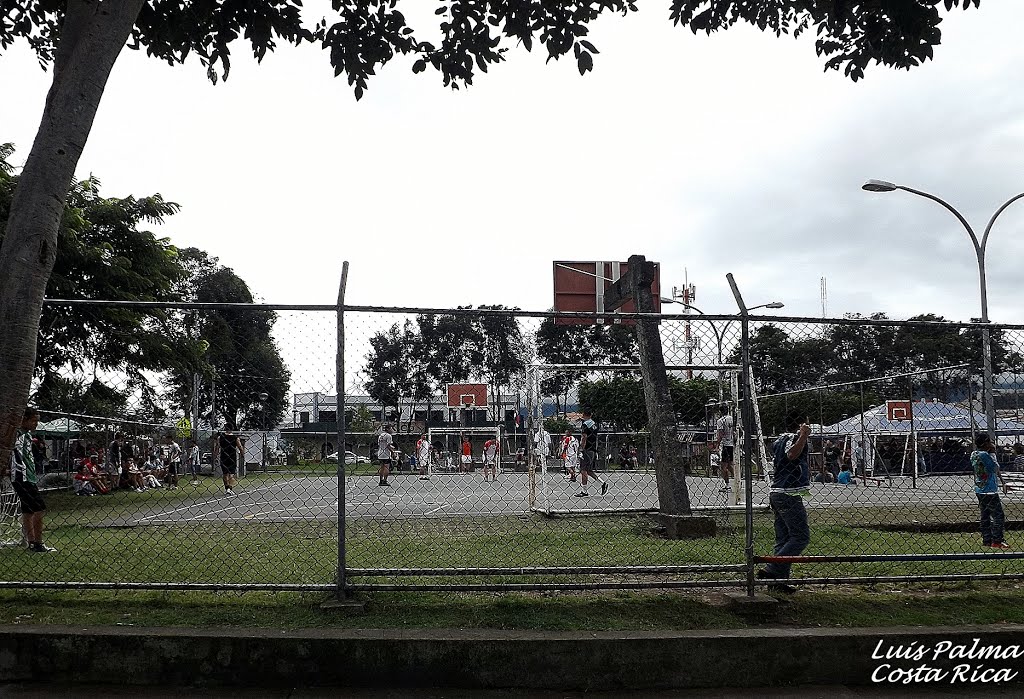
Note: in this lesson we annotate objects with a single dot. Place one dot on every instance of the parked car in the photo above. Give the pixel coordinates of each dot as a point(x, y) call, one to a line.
point(350, 458)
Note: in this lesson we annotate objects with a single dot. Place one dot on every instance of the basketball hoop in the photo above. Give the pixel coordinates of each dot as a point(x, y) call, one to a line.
point(467, 400)
point(898, 410)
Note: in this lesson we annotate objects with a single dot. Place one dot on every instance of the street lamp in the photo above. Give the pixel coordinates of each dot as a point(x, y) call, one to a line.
point(979, 249)
point(720, 334)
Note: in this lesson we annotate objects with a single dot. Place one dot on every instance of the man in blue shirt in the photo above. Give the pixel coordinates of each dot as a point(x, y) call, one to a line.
point(789, 486)
point(986, 486)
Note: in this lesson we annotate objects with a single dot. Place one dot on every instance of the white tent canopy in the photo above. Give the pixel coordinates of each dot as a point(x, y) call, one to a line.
point(928, 416)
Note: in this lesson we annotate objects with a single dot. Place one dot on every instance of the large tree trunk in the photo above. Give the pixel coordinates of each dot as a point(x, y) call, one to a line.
point(93, 34)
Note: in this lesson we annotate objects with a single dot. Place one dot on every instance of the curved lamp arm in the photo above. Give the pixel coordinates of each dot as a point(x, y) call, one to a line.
point(949, 207)
point(988, 228)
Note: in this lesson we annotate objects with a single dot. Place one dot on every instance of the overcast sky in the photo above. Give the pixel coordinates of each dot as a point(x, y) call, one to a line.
point(734, 153)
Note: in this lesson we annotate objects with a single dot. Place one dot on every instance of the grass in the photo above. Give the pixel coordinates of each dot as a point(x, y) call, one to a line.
point(96, 542)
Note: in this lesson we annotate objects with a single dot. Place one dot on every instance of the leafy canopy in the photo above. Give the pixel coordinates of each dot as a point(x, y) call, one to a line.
point(361, 36)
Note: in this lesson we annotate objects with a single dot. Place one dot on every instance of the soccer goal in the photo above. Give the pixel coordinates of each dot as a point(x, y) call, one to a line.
point(448, 441)
point(10, 514)
point(626, 478)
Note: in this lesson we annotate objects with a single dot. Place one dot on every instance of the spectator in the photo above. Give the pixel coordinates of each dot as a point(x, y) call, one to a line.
point(845, 477)
point(1018, 457)
point(173, 459)
point(23, 478)
point(102, 481)
point(986, 486)
point(115, 457)
point(40, 455)
point(84, 479)
point(194, 461)
point(831, 454)
point(789, 487)
point(131, 476)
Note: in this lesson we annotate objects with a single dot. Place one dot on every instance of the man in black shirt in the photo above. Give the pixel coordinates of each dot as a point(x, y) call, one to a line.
point(588, 462)
point(228, 445)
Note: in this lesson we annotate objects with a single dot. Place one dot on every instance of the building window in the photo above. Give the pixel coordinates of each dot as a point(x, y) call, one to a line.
point(328, 416)
point(304, 416)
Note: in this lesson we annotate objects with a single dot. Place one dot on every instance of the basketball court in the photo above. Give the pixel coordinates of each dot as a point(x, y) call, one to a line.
point(468, 495)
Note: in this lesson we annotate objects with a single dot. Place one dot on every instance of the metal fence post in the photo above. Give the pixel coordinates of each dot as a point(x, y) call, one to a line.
point(339, 381)
point(748, 427)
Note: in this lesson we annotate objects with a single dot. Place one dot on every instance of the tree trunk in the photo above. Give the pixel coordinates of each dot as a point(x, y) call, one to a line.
point(669, 469)
point(93, 34)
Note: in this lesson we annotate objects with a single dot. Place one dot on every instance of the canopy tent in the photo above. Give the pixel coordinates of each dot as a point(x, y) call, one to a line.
point(928, 417)
point(61, 427)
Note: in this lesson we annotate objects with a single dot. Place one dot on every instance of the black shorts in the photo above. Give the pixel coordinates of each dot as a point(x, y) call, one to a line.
point(228, 469)
point(727, 454)
point(31, 498)
point(588, 462)
point(382, 462)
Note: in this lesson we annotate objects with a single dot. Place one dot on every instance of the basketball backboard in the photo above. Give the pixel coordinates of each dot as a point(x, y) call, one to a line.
point(580, 287)
point(896, 410)
point(467, 395)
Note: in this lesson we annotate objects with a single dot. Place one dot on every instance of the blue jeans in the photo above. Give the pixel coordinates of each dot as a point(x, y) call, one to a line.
point(792, 534)
point(991, 518)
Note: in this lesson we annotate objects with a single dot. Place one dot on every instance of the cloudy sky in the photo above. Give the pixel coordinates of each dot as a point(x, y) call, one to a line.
point(734, 153)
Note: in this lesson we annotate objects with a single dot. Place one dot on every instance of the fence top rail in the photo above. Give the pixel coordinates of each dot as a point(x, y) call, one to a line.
point(477, 312)
point(887, 377)
point(193, 306)
point(633, 367)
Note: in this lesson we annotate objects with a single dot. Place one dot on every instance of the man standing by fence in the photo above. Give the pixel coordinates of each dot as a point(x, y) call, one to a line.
point(986, 486)
point(23, 478)
point(790, 485)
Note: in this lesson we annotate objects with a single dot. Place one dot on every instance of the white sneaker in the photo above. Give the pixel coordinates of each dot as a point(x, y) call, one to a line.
point(230, 493)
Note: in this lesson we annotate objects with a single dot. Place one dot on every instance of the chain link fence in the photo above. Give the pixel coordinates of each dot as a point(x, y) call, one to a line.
point(894, 409)
point(205, 446)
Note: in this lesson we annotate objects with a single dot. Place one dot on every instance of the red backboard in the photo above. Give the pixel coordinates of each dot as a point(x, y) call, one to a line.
point(467, 395)
point(580, 287)
point(897, 410)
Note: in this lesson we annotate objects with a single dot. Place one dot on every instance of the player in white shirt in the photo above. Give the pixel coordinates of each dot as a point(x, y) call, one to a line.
point(423, 456)
point(385, 453)
point(491, 449)
point(570, 454)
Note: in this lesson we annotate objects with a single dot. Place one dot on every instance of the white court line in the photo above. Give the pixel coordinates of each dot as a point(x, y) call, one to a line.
point(447, 503)
point(190, 507)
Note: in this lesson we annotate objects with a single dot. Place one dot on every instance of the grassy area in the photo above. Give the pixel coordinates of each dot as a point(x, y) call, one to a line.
point(974, 604)
point(96, 542)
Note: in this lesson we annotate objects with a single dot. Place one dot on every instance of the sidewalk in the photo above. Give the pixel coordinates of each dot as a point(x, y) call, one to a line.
point(44, 691)
point(394, 662)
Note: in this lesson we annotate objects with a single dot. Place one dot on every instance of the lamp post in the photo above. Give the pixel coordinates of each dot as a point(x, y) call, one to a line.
point(720, 334)
point(979, 250)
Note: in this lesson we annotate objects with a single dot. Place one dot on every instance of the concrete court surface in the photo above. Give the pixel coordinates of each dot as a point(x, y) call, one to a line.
point(312, 498)
point(45, 691)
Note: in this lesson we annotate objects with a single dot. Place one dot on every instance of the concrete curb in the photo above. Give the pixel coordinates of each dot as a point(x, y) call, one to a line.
point(479, 659)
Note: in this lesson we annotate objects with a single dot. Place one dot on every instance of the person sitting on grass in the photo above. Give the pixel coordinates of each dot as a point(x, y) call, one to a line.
point(132, 476)
point(101, 481)
point(846, 476)
point(84, 479)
